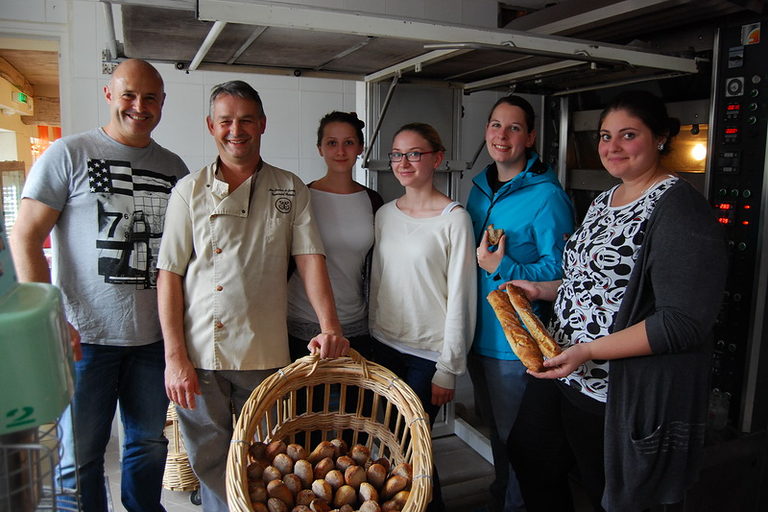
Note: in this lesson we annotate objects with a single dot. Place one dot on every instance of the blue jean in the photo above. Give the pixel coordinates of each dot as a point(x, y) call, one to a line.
point(417, 373)
point(499, 389)
point(207, 429)
point(134, 376)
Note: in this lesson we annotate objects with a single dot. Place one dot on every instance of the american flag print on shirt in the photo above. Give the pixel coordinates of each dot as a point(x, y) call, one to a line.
point(131, 212)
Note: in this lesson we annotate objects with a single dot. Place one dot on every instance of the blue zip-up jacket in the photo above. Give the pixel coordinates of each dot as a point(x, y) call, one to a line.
point(537, 217)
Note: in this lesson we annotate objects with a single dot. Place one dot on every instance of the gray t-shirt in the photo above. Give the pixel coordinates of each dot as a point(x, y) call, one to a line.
point(112, 200)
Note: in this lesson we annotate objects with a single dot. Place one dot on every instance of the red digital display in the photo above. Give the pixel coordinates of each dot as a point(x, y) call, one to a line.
point(724, 206)
point(731, 131)
point(734, 106)
point(724, 220)
point(747, 207)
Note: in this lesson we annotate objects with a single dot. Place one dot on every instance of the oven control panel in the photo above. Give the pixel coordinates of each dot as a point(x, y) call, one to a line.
point(737, 171)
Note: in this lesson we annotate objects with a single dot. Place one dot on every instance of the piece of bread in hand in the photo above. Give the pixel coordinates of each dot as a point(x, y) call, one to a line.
point(494, 234)
point(544, 340)
point(522, 344)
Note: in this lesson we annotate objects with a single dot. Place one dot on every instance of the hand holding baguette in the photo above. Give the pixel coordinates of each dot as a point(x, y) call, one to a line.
point(535, 327)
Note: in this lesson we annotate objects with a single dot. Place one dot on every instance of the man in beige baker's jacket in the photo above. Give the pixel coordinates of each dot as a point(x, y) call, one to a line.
point(231, 229)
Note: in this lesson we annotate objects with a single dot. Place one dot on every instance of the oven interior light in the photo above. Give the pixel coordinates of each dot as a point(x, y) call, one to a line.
point(699, 152)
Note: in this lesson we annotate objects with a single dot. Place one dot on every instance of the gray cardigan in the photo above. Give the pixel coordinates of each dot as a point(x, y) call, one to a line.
point(657, 405)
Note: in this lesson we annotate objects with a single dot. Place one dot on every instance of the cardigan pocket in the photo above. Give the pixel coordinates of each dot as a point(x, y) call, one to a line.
point(673, 436)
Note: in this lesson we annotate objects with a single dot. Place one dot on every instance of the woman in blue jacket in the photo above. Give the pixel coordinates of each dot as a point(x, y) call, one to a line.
point(521, 195)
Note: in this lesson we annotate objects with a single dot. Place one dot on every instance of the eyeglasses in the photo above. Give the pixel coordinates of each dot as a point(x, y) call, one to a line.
point(411, 156)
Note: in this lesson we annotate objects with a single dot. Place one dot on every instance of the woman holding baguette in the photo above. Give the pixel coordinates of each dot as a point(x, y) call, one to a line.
point(626, 400)
point(521, 198)
point(422, 307)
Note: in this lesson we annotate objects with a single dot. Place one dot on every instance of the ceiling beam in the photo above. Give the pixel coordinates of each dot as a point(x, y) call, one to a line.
point(291, 16)
point(210, 39)
point(414, 64)
point(182, 5)
point(526, 74)
point(15, 77)
point(573, 16)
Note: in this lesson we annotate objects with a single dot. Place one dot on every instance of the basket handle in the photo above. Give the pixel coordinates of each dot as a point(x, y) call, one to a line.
point(354, 355)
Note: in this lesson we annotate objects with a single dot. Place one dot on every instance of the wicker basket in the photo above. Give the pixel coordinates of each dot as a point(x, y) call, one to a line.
point(386, 415)
point(178, 475)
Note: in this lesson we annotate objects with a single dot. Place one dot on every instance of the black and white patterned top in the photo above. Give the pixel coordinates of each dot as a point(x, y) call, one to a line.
point(597, 263)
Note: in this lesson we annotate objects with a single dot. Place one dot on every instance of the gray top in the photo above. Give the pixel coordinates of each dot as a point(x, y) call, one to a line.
point(657, 405)
point(112, 200)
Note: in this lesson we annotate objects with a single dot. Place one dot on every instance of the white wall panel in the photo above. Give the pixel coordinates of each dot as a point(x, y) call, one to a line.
point(281, 139)
point(85, 107)
point(311, 169)
point(85, 46)
point(26, 10)
point(314, 105)
point(55, 11)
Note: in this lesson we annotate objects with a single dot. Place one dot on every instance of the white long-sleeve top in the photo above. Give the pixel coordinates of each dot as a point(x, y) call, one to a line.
point(423, 290)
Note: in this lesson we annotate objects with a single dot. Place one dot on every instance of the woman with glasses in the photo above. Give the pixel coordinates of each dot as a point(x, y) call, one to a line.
point(520, 195)
point(422, 311)
point(344, 211)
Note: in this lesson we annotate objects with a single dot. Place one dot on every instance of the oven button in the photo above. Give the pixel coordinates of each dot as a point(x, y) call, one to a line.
point(741, 246)
point(746, 193)
point(752, 120)
point(756, 79)
point(752, 107)
point(735, 192)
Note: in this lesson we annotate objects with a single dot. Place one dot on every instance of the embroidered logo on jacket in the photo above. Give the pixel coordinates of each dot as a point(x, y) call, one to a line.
point(283, 201)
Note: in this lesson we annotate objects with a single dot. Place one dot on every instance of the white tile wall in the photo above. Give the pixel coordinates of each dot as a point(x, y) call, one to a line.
point(314, 105)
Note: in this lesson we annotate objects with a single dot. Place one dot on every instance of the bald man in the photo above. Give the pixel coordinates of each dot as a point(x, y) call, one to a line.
point(102, 196)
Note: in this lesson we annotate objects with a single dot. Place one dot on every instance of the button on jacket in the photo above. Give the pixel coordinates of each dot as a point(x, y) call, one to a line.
point(233, 250)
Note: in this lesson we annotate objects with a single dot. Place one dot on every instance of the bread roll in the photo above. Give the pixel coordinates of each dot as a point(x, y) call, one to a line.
point(519, 340)
point(546, 343)
point(494, 234)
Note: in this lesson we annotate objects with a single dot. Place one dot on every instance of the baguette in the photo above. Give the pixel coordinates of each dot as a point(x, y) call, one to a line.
point(521, 343)
point(544, 340)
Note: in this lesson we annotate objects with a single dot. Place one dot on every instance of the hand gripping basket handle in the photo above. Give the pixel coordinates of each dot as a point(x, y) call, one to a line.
point(353, 355)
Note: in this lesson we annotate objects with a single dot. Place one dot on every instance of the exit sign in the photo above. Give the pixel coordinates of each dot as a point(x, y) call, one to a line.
point(20, 97)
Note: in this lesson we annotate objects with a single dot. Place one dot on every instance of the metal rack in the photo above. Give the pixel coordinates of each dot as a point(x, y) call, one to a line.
point(29, 460)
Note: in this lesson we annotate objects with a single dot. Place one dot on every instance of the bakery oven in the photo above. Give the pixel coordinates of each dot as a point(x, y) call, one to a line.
point(738, 191)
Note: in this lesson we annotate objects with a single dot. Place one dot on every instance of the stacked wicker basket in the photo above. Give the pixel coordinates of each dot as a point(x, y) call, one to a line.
point(360, 400)
point(178, 475)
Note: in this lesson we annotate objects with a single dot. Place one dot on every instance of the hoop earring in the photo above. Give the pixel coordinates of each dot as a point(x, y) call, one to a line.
point(660, 146)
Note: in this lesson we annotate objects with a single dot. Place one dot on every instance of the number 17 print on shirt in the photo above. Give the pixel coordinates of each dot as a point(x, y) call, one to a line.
point(131, 213)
